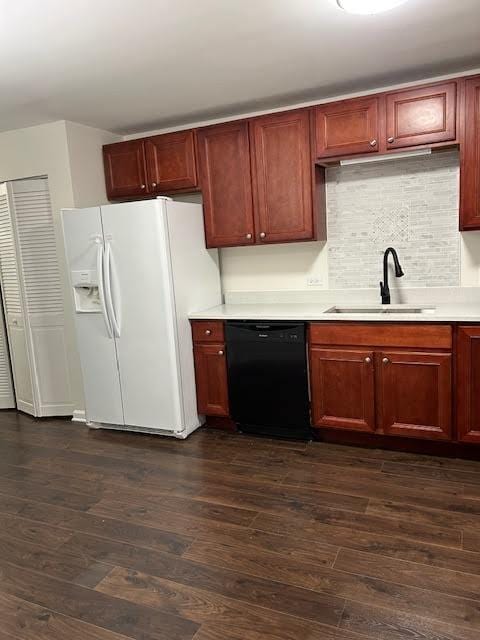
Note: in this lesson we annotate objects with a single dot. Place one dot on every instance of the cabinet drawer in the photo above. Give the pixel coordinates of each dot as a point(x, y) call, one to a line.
point(420, 336)
point(208, 331)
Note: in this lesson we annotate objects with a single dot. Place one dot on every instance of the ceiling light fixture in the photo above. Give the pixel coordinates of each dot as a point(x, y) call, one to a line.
point(368, 6)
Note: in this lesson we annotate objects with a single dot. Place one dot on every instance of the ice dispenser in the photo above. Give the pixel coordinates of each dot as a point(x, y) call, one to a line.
point(85, 291)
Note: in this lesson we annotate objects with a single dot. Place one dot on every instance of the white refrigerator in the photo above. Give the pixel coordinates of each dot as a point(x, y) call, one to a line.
point(137, 269)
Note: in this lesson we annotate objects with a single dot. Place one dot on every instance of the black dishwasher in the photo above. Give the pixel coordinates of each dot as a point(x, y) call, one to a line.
point(268, 378)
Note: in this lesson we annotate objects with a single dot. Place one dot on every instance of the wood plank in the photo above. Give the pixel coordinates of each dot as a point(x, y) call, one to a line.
point(313, 454)
point(153, 509)
point(78, 570)
point(148, 537)
point(94, 607)
point(453, 583)
point(35, 491)
point(360, 522)
point(276, 499)
point(215, 612)
point(309, 475)
point(299, 602)
point(31, 531)
point(360, 588)
point(27, 621)
point(377, 623)
point(431, 473)
point(424, 515)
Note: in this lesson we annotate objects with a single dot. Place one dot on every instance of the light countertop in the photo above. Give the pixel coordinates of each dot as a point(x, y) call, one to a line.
point(444, 312)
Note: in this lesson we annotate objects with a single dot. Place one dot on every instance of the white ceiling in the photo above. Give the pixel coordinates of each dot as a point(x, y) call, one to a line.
point(132, 65)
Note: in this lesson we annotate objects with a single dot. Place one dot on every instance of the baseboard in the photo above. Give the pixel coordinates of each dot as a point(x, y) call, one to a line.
point(79, 416)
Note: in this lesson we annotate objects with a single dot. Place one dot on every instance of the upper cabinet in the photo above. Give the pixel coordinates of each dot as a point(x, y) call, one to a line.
point(408, 118)
point(257, 180)
point(347, 127)
point(282, 177)
point(171, 162)
point(226, 184)
point(261, 178)
point(421, 116)
point(125, 171)
point(149, 166)
point(470, 158)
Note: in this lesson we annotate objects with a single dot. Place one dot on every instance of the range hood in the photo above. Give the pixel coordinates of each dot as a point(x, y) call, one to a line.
point(387, 156)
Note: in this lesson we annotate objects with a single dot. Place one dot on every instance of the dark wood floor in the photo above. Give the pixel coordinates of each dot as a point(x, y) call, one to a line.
point(107, 536)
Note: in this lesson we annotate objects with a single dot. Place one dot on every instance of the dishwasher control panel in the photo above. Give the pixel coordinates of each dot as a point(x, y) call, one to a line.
point(246, 330)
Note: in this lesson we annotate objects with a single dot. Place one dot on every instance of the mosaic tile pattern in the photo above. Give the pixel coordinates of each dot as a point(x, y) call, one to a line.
point(411, 204)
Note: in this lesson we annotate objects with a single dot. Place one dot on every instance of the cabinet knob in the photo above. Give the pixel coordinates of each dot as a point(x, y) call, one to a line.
point(208, 332)
point(220, 353)
point(373, 143)
point(248, 236)
point(154, 184)
point(142, 186)
point(368, 360)
point(263, 234)
point(391, 139)
point(385, 360)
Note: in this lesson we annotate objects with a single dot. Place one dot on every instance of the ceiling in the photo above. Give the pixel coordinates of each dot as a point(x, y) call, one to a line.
point(133, 65)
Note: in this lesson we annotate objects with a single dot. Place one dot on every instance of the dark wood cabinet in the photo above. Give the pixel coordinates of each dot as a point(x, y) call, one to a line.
point(211, 379)
point(226, 184)
point(347, 127)
point(125, 170)
point(414, 397)
point(282, 169)
point(470, 158)
point(468, 384)
point(170, 160)
point(421, 115)
point(149, 166)
point(342, 388)
point(393, 379)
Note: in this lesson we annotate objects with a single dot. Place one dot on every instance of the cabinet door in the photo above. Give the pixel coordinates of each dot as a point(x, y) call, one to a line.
point(468, 384)
point(414, 394)
point(347, 127)
point(421, 116)
point(211, 379)
point(282, 177)
point(171, 161)
point(226, 184)
point(470, 158)
point(124, 164)
point(342, 388)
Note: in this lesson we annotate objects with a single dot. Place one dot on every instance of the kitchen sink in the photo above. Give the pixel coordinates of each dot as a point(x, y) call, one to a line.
point(394, 309)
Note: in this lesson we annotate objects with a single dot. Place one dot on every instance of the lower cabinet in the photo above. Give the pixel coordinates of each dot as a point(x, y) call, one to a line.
point(211, 379)
point(414, 397)
point(468, 384)
point(342, 389)
point(388, 379)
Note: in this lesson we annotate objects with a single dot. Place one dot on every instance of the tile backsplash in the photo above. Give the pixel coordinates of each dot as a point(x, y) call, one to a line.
point(410, 204)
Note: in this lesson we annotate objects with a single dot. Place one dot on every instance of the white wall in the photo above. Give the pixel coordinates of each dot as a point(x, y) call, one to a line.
point(86, 163)
point(70, 156)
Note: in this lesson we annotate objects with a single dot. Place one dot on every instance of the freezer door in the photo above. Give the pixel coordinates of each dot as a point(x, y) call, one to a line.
point(140, 296)
point(84, 251)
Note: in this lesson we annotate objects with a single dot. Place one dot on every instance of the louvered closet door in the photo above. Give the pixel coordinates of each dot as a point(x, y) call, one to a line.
point(12, 306)
point(42, 295)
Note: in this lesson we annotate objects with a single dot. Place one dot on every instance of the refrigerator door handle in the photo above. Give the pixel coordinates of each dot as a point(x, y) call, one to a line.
point(109, 273)
point(101, 290)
